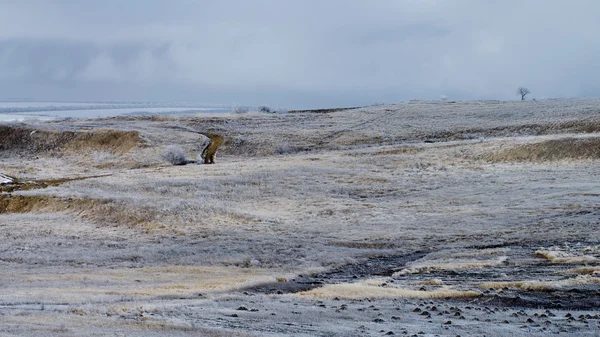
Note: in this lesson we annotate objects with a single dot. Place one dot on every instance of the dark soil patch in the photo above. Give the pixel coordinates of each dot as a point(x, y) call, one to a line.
point(377, 266)
point(565, 299)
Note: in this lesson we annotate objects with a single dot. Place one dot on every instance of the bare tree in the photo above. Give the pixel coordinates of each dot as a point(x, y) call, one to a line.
point(523, 92)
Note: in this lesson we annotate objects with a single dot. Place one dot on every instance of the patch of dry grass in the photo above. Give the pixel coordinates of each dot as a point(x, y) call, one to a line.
point(550, 150)
point(103, 283)
point(91, 209)
point(562, 257)
point(542, 285)
point(114, 141)
point(34, 141)
point(582, 271)
point(23, 204)
point(549, 254)
point(363, 291)
point(450, 264)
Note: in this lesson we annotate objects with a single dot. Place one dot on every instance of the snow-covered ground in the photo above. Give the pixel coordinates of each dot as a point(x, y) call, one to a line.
point(4, 179)
point(417, 218)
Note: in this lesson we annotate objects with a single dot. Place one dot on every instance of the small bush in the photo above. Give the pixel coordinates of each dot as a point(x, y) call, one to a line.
point(174, 155)
point(264, 109)
point(285, 148)
point(239, 110)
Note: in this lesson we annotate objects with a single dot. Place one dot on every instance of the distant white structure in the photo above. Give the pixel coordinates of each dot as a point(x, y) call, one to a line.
point(4, 179)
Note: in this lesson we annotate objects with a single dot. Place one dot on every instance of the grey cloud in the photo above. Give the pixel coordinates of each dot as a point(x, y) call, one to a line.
point(297, 53)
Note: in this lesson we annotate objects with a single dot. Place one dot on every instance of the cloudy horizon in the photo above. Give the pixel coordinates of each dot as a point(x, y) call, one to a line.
point(298, 54)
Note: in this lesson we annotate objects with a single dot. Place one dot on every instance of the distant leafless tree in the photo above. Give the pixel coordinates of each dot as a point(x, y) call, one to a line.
point(523, 92)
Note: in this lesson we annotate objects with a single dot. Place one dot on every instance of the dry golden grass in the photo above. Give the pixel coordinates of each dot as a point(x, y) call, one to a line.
point(450, 264)
point(550, 150)
point(561, 257)
point(104, 140)
point(363, 291)
point(22, 204)
point(90, 209)
point(99, 283)
point(582, 271)
point(549, 254)
point(27, 139)
point(542, 285)
point(574, 260)
point(577, 126)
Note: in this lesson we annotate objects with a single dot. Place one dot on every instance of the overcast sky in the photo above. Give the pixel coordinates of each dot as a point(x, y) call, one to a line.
point(298, 53)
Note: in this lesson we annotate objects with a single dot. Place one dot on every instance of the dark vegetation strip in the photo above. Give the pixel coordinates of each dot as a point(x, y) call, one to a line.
point(323, 111)
point(376, 266)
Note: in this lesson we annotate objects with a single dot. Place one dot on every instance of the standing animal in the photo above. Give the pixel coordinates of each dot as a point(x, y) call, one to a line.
point(208, 154)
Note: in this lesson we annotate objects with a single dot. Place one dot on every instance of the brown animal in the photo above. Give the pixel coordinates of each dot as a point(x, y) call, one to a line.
point(208, 154)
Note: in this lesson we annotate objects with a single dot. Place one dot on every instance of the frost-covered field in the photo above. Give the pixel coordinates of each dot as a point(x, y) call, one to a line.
point(28, 111)
point(419, 218)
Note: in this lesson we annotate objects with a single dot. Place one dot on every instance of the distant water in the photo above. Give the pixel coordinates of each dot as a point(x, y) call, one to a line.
point(31, 110)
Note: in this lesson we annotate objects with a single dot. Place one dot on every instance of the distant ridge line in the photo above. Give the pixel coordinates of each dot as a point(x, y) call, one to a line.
point(324, 111)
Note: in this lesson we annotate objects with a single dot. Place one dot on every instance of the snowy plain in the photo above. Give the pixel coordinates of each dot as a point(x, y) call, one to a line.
point(418, 218)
